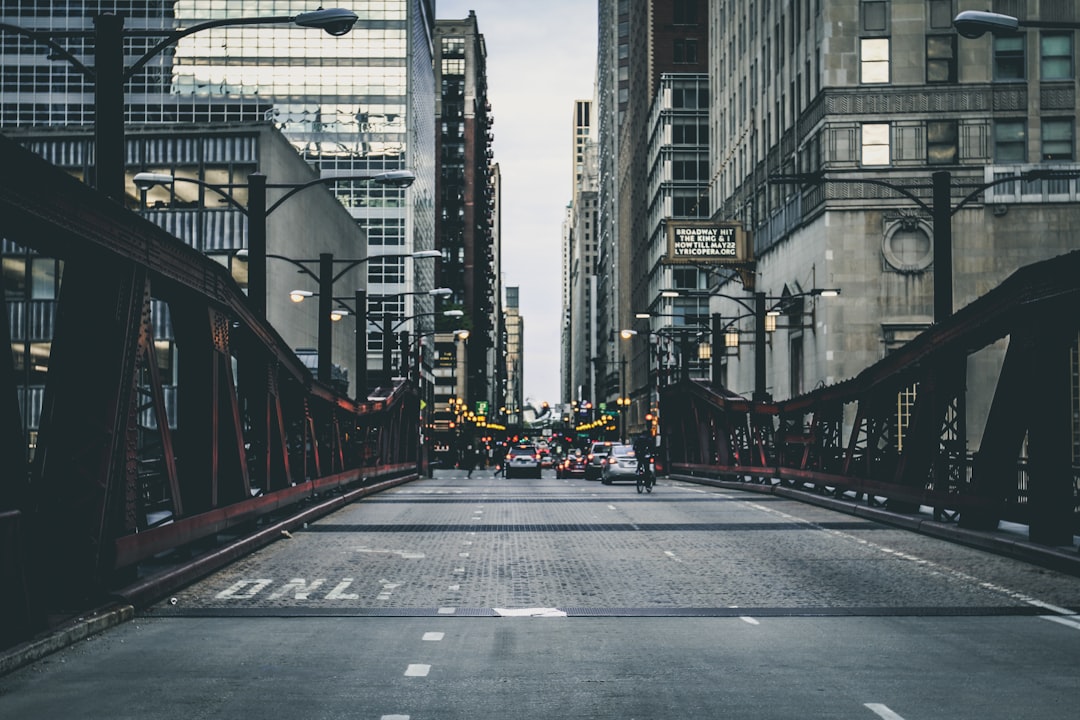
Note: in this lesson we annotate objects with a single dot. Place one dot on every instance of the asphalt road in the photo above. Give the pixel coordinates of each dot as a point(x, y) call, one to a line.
point(490, 598)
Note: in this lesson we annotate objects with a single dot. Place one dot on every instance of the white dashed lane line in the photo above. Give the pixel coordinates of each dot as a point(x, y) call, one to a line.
point(417, 670)
point(883, 711)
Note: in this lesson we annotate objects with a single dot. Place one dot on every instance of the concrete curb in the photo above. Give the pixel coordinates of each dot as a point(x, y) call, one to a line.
point(1066, 560)
point(64, 636)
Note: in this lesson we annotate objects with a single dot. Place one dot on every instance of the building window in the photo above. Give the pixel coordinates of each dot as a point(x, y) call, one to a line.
point(941, 58)
point(685, 12)
point(1008, 58)
point(1057, 60)
point(941, 14)
point(874, 60)
point(1057, 139)
point(875, 15)
point(685, 52)
point(942, 146)
point(453, 67)
point(1010, 141)
point(875, 144)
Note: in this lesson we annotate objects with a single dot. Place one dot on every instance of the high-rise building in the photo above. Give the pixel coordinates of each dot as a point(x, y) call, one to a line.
point(641, 43)
point(358, 104)
point(580, 250)
point(467, 199)
point(872, 100)
point(515, 358)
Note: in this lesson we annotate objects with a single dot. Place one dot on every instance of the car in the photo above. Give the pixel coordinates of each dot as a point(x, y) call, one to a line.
point(545, 458)
point(573, 465)
point(621, 464)
point(598, 452)
point(523, 461)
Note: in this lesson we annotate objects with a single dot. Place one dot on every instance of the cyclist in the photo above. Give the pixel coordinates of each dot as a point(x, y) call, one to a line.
point(643, 445)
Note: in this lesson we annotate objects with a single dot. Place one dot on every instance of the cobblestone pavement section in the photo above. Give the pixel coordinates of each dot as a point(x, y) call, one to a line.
point(488, 542)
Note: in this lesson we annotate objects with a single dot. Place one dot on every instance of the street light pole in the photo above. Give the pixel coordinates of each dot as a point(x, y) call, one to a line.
point(326, 304)
point(109, 79)
point(256, 240)
point(943, 260)
point(387, 347)
point(759, 347)
point(361, 344)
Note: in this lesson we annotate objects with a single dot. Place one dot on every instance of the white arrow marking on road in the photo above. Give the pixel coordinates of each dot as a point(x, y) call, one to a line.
point(405, 554)
point(529, 612)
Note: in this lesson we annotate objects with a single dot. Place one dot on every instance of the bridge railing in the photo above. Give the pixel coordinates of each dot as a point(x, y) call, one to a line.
point(849, 438)
point(128, 464)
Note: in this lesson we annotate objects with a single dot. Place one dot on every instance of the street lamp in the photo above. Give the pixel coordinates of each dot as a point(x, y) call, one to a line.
point(109, 75)
point(975, 23)
point(325, 278)
point(257, 212)
point(764, 323)
point(941, 211)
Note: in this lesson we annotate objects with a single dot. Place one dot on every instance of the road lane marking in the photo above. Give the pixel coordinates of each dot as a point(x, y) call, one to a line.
point(447, 610)
point(404, 554)
point(433, 636)
point(251, 588)
point(394, 717)
point(338, 593)
point(1062, 621)
point(883, 711)
point(454, 588)
point(749, 620)
point(529, 612)
point(300, 587)
point(928, 564)
point(672, 555)
point(417, 671)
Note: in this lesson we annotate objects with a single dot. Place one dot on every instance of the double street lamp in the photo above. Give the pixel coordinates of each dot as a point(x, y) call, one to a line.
point(109, 76)
point(258, 210)
point(764, 322)
point(325, 278)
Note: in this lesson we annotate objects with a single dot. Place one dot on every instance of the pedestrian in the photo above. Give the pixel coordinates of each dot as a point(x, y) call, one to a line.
point(500, 460)
point(469, 460)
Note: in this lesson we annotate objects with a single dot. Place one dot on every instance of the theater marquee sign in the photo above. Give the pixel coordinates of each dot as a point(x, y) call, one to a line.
point(711, 243)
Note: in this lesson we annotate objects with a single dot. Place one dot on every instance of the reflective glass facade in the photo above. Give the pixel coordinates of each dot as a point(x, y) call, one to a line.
point(357, 104)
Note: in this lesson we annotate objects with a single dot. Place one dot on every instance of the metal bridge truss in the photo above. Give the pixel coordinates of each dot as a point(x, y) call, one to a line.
point(114, 482)
point(850, 438)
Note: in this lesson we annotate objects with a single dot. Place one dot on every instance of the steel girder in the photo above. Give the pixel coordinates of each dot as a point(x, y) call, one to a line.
point(1023, 467)
point(115, 480)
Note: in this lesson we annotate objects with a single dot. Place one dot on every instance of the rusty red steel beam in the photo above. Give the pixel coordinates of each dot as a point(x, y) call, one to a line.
point(867, 486)
point(148, 589)
point(131, 549)
point(58, 214)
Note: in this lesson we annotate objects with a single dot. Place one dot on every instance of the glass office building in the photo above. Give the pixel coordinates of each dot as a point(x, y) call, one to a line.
point(358, 104)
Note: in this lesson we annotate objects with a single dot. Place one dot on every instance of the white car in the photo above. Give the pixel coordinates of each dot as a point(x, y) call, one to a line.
point(523, 461)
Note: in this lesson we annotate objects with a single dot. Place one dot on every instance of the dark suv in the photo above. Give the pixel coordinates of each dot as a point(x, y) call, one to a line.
point(594, 465)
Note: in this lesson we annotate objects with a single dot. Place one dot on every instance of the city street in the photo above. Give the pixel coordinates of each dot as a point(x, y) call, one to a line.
point(484, 597)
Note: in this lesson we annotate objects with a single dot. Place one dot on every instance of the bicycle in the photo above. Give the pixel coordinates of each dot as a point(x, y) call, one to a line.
point(646, 478)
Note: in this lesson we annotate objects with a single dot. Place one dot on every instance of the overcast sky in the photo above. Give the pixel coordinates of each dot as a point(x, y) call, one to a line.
point(541, 56)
